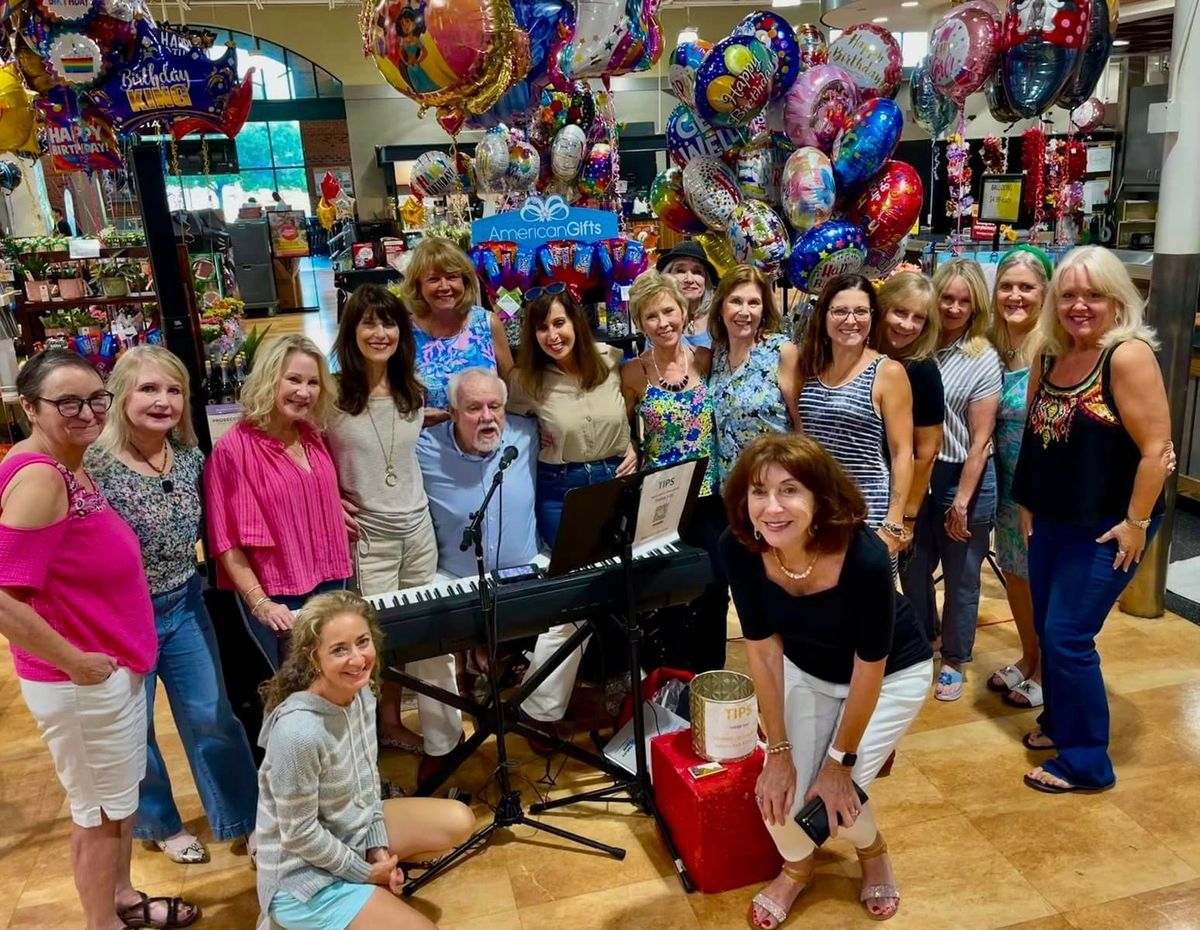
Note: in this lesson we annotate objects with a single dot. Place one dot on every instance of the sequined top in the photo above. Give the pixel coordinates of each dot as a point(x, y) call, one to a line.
point(440, 358)
point(748, 401)
point(678, 426)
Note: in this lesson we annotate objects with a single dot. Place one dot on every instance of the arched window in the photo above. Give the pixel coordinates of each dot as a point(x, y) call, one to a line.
point(280, 73)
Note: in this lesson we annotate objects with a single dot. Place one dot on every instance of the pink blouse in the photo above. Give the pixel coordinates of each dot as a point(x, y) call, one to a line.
point(83, 575)
point(287, 520)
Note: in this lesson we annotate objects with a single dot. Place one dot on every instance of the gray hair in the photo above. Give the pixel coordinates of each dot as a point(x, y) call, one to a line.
point(470, 374)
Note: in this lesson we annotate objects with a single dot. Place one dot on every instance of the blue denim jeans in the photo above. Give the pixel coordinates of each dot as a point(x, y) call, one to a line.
point(216, 745)
point(553, 483)
point(961, 561)
point(274, 645)
point(1074, 586)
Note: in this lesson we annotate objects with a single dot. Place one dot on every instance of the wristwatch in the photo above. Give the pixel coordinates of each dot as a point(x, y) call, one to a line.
point(846, 759)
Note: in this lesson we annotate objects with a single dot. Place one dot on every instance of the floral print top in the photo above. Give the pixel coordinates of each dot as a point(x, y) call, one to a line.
point(748, 401)
point(679, 426)
point(439, 359)
point(167, 523)
point(1010, 426)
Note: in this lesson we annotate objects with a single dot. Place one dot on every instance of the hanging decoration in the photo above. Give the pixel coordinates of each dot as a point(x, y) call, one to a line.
point(1097, 44)
point(1033, 161)
point(994, 152)
point(958, 172)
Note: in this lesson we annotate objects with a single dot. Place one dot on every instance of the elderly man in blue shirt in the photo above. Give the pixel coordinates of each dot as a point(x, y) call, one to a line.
point(458, 460)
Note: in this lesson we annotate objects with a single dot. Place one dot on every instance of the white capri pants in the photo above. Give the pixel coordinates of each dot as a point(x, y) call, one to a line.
point(548, 703)
point(97, 737)
point(812, 711)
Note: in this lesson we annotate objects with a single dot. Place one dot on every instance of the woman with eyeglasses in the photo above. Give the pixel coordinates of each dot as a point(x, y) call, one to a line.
point(76, 611)
point(855, 401)
point(149, 468)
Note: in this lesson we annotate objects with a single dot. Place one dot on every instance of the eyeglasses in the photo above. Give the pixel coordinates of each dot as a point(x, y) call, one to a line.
point(550, 290)
point(844, 313)
point(71, 407)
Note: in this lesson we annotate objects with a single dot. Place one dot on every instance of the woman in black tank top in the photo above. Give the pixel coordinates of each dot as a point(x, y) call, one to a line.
point(1096, 450)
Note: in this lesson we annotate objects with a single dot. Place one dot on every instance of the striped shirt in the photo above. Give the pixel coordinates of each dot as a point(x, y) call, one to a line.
point(844, 420)
point(965, 379)
point(287, 520)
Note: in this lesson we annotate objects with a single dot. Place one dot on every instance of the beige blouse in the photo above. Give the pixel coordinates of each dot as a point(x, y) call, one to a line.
point(585, 426)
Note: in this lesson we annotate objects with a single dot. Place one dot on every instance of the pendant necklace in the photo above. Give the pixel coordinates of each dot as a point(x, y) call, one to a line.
point(675, 386)
point(389, 473)
point(795, 576)
point(166, 483)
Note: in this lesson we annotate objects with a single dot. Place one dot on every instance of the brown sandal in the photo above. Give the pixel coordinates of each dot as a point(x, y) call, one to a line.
point(138, 915)
point(881, 891)
point(773, 908)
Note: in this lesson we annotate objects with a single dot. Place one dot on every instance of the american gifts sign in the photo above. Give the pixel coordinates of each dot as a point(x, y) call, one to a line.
point(545, 219)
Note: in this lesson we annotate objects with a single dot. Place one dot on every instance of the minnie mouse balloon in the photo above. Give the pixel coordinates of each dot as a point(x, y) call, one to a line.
point(758, 237)
point(711, 191)
point(566, 153)
point(807, 189)
point(931, 110)
point(867, 142)
point(819, 106)
point(824, 252)
point(1041, 44)
point(1089, 115)
point(670, 206)
point(688, 137)
point(734, 81)
point(777, 35)
point(1093, 58)
point(872, 57)
point(963, 49)
point(681, 72)
point(889, 204)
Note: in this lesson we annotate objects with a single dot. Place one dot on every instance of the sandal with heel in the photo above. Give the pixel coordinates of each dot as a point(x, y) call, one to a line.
point(773, 909)
point(880, 891)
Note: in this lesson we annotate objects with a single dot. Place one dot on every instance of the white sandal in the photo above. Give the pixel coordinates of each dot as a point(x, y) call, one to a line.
point(193, 853)
point(1028, 689)
point(1010, 675)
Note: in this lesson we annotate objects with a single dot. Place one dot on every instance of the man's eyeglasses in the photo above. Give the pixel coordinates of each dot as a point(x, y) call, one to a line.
point(550, 290)
point(844, 313)
point(71, 407)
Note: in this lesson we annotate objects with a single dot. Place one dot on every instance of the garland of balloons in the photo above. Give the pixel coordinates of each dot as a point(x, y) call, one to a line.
point(81, 75)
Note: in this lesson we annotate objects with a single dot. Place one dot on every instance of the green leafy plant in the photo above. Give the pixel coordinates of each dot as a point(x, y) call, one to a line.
point(253, 340)
point(33, 266)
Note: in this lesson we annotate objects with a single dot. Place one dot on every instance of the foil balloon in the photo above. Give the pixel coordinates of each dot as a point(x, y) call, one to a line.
point(776, 33)
point(819, 106)
point(824, 252)
point(807, 188)
point(600, 26)
point(233, 117)
point(813, 49)
point(432, 175)
point(718, 251)
point(491, 160)
point(758, 237)
point(931, 110)
point(669, 205)
point(998, 103)
point(758, 167)
point(1097, 45)
point(681, 72)
point(871, 55)
point(581, 111)
point(688, 137)
point(711, 191)
point(596, 174)
point(16, 110)
point(880, 263)
point(963, 49)
point(566, 152)
point(734, 81)
point(554, 106)
point(1089, 115)
point(78, 139)
point(867, 142)
point(1041, 45)
point(524, 166)
point(889, 204)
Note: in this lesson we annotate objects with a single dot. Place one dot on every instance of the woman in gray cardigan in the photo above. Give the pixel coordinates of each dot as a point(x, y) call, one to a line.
point(328, 847)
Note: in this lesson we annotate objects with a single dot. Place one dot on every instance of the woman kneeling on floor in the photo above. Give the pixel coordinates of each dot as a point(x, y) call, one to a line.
point(839, 664)
point(328, 847)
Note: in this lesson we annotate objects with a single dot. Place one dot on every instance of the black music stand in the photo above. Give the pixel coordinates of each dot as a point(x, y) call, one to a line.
point(604, 519)
point(509, 811)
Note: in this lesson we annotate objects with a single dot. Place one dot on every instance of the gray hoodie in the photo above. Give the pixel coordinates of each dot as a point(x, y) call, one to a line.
point(319, 809)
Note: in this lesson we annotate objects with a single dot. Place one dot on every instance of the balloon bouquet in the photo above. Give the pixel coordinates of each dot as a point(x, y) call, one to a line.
point(782, 151)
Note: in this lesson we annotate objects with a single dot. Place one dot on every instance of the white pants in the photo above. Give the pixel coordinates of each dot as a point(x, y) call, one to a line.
point(812, 711)
point(549, 702)
point(389, 563)
point(97, 737)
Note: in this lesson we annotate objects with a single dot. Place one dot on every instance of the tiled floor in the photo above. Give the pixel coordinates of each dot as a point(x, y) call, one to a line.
point(973, 848)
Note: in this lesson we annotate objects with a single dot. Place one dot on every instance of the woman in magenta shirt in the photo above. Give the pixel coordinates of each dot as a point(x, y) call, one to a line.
point(75, 608)
point(275, 519)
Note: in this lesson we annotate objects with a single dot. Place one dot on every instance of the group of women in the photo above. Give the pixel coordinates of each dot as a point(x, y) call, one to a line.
point(906, 424)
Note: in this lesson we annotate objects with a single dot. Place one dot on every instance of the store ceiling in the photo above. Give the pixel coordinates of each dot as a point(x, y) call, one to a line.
point(1150, 36)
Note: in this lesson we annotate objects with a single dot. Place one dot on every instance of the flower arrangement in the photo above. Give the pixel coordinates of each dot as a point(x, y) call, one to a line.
point(111, 237)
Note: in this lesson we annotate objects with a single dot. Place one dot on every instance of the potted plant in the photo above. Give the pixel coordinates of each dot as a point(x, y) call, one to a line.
point(61, 322)
point(70, 280)
point(33, 268)
point(113, 282)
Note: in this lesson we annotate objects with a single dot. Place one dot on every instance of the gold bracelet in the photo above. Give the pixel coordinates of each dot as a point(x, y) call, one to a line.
point(783, 746)
point(1140, 524)
point(265, 597)
point(246, 595)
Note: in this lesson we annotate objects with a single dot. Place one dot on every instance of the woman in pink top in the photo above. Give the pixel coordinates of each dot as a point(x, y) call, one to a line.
point(75, 608)
point(275, 520)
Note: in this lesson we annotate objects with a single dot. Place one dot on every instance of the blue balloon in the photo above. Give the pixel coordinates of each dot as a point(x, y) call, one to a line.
point(1034, 73)
point(998, 103)
point(734, 82)
point(866, 143)
point(539, 19)
point(932, 111)
point(827, 250)
point(688, 137)
point(777, 34)
point(1096, 47)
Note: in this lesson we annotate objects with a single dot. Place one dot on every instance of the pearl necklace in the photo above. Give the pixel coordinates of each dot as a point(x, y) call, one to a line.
point(795, 576)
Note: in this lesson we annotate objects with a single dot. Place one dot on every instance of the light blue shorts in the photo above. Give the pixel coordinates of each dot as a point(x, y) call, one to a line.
point(331, 908)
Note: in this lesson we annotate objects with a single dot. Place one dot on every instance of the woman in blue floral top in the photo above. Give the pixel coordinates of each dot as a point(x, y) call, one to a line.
point(147, 464)
point(754, 367)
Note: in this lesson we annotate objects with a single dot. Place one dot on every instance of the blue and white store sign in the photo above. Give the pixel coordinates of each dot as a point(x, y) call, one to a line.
point(545, 219)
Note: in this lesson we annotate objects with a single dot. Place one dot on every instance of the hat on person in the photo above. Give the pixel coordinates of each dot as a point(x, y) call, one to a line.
point(1042, 258)
point(689, 249)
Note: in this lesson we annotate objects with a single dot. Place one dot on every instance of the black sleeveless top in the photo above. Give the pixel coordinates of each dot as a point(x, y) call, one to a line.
point(1077, 462)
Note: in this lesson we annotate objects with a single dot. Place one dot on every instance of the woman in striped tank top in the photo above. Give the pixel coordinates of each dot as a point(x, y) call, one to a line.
point(853, 400)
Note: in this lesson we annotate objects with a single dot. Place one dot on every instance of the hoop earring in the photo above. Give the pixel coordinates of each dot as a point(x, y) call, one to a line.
point(757, 534)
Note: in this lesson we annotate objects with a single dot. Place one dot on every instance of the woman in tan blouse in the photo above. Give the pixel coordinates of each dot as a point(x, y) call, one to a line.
point(573, 387)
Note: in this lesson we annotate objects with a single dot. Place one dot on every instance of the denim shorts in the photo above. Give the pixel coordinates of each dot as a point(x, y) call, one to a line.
point(331, 908)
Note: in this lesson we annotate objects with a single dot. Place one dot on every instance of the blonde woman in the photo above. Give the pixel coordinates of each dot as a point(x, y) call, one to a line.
point(452, 331)
point(275, 520)
point(330, 849)
point(1096, 451)
point(148, 466)
point(956, 520)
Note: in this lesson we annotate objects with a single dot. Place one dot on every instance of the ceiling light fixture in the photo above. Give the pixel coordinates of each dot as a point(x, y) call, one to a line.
point(687, 34)
point(1121, 42)
point(880, 19)
point(786, 3)
point(909, 4)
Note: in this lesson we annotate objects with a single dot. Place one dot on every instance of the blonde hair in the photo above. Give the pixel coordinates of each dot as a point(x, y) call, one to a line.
point(976, 341)
point(1106, 275)
point(258, 392)
point(302, 665)
point(123, 380)
point(649, 286)
point(903, 288)
point(436, 254)
point(999, 334)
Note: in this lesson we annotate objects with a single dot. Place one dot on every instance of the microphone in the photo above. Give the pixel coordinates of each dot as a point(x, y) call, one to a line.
point(508, 456)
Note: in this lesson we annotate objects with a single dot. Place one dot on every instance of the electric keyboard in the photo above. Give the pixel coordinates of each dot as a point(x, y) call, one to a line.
point(444, 617)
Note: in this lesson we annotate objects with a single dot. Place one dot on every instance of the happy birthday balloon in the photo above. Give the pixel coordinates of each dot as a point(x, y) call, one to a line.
point(963, 49)
point(566, 152)
point(807, 190)
point(867, 142)
point(711, 191)
point(596, 175)
point(688, 137)
point(669, 205)
point(871, 55)
point(889, 204)
point(1097, 45)
point(813, 48)
point(819, 106)
point(681, 72)
point(777, 35)
point(1040, 46)
point(734, 81)
point(931, 110)
point(758, 237)
point(78, 139)
point(824, 252)
point(879, 263)
point(1089, 115)
point(432, 175)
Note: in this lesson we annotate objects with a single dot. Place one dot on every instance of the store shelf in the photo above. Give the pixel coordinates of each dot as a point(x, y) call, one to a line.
point(37, 306)
point(121, 251)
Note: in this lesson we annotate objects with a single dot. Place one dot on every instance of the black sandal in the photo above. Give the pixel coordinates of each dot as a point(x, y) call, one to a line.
point(138, 915)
